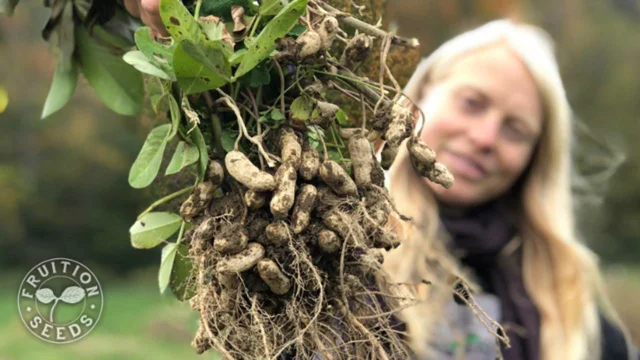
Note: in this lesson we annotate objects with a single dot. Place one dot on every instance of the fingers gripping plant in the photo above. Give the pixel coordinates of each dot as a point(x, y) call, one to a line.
point(282, 234)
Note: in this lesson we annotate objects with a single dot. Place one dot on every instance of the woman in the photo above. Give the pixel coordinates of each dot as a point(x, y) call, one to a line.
point(496, 114)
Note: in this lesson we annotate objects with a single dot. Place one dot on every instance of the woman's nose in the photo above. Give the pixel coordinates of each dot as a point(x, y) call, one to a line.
point(486, 132)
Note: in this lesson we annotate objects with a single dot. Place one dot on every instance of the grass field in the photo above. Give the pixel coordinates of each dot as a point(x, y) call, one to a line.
point(136, 323)
point(139, 323)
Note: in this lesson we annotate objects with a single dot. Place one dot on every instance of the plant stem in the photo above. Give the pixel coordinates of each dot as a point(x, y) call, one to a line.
point(181, 232)
point(255, 25)
point(215, 123)
point(164, 200)
point(335, 140)
point(196, 13)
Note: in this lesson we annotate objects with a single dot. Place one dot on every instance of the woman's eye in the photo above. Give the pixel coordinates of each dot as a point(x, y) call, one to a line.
point(515, 132)
point(472, 104)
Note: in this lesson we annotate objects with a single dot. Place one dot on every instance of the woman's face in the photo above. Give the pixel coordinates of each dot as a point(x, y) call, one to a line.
point(483, 118)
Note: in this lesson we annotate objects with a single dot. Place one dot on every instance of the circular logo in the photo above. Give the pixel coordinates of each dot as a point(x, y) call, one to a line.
point(60, 300)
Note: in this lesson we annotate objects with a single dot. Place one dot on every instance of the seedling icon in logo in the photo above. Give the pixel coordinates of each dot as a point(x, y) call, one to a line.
point(70, 295)
point(60, 300)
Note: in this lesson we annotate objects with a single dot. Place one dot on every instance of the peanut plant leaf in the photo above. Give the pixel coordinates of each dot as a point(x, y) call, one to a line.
point(183, 282)
point(179, 22)
point(153, 228)
point(184, 156)
point(166, 265)
point(147, 164)
point(270, 7)
point(201, 67)
point(159, 54)
point(228, 140)
point(176, 116)
point(72, 294)
point(117, 84)
point(198, 140)
point(301, 108)
point(62, 88)
point(264, 44)
point(45, 295)
point(259, 75)
point(139, 61)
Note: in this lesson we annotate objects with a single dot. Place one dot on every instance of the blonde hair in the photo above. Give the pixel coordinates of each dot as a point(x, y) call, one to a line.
point(560, 274)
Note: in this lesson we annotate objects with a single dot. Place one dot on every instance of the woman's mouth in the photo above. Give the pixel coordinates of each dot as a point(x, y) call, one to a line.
point(464, 166)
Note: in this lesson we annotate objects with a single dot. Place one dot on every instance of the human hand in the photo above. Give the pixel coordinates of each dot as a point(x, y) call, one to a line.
point(147, 11)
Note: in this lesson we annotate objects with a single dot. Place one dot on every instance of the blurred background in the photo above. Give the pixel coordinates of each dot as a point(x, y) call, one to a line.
point(64, 190)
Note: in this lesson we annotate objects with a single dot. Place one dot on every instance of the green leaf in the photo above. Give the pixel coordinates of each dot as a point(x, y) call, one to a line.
point(147, 164)
point(179, 22)
point(65, 78)
point(237, 57)
point(264, 44)
point(153, 228)
point(228, 140)
point(257, 76)
point(160, 55)
point(198, 140)
point(297, 30)
point(270, 7)
point(183, 281)
point(301, 108)
point(117, 84)
point(277, 115)
point(143, 64)
point(62, 88)
point(157, 91)
point(7, 6)
point(342, 117)
point(201, 67)
point(174, 110)
point(166, 265)
point(184, 156)
point(222, 8)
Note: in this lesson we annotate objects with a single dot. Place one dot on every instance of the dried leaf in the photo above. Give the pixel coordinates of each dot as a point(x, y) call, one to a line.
point(216, 29)
point(237, 13)
point(193, 117)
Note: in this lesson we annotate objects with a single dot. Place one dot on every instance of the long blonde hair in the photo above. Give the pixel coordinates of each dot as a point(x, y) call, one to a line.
point(559, 273)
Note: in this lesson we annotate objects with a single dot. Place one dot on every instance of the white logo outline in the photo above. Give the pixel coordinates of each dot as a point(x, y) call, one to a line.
point(44, 318)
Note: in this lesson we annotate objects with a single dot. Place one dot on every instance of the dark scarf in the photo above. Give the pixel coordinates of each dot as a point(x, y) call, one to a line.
point(479, 235)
